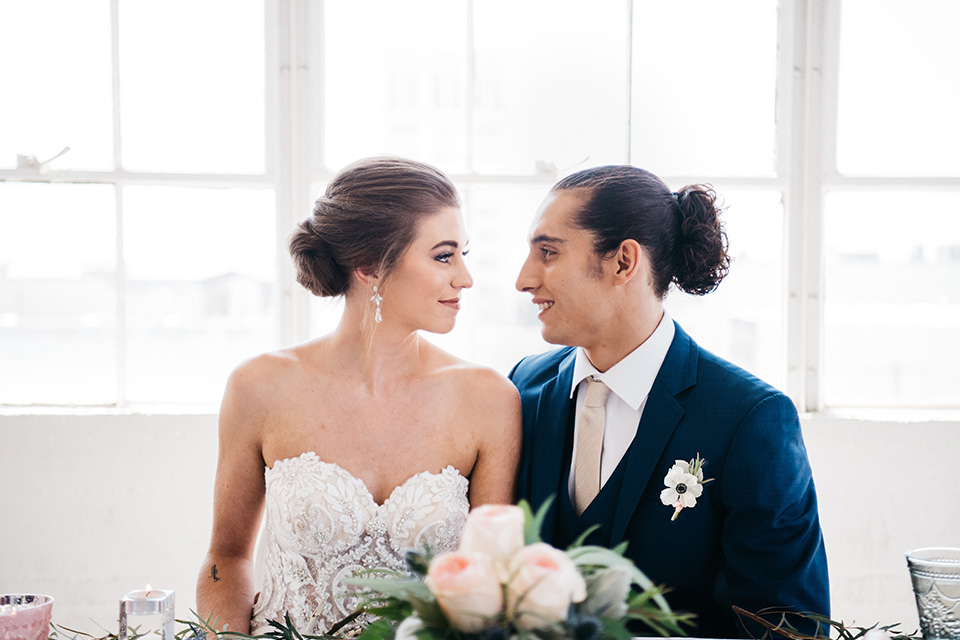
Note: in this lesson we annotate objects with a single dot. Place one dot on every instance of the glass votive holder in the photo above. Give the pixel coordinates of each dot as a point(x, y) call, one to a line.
point(154, 610)
point(935, 572)
point(25, 616)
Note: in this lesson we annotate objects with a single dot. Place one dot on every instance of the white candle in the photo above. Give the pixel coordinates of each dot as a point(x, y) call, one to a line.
point(157, 605)
point(148, 594)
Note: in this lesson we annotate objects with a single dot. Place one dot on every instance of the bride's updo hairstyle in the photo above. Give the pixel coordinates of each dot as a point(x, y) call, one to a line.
point(680, 232)
point(367, 218)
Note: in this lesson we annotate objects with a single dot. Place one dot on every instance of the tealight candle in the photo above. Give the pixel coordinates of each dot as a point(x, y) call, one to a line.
point(157, 605)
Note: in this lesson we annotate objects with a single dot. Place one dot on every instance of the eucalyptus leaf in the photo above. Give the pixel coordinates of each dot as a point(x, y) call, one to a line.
point(601, 556)
point(397, 588)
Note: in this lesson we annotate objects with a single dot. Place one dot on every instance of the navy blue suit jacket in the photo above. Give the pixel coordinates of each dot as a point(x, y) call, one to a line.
point(753, 539)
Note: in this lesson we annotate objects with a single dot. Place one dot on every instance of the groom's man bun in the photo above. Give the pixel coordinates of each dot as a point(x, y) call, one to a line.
point(366, 219)
point(681, 232)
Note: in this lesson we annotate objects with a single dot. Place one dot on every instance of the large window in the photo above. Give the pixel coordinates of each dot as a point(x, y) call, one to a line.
point(140, 266)
point(892, 208)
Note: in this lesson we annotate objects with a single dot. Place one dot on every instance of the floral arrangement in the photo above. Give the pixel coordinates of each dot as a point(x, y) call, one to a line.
point(776, 624)
point(503, 582)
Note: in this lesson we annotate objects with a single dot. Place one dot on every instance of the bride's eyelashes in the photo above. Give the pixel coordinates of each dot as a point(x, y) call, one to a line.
point(445, 257)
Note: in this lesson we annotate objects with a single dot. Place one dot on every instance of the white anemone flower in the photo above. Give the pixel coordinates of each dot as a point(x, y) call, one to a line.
point(684, 484)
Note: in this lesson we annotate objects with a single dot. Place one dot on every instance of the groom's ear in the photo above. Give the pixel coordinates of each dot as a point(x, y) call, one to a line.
point(628, 261)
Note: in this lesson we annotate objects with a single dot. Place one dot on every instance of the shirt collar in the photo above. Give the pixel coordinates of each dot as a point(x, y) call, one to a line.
point(631, 378)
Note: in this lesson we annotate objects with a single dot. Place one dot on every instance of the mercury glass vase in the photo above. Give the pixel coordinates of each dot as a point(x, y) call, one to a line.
point(935, 572)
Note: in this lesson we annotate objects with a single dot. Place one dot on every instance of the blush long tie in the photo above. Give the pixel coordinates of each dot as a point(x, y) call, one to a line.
point(586, 473)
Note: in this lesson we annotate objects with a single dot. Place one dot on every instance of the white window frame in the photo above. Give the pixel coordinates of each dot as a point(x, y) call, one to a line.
point(120, 178)
point(806, 107)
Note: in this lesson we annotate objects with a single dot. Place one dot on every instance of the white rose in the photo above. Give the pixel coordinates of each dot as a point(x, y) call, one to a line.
point(544, 583)
point(466, 588)
point(495, 530)
point(407, 629)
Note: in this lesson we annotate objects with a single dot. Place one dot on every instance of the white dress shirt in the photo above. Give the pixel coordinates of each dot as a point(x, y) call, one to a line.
point(630, 381)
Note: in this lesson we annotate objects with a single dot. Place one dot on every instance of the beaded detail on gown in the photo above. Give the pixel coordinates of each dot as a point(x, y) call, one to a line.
point(322, 525)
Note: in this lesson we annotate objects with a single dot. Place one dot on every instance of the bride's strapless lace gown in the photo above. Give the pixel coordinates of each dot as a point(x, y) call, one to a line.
point(322, 525)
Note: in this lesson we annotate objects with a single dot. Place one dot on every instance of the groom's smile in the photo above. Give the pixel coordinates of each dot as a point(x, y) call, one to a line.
point(561, 273)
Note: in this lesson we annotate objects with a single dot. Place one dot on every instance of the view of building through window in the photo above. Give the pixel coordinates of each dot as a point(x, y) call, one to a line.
point(139, 267)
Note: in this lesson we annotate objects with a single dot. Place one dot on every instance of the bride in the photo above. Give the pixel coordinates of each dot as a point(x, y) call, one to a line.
point(366, 442)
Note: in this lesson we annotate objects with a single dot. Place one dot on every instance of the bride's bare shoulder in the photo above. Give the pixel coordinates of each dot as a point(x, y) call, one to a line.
point(272, 375)
point(487, 405)
point(474, 381)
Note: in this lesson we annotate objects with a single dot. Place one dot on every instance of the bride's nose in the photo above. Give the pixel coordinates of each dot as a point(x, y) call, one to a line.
point(463, 279)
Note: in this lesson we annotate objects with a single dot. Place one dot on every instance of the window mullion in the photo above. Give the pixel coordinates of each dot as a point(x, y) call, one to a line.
point(293, 160)
point(471, 87)
point(804, 207)
point(629, 79)
point(120, 275)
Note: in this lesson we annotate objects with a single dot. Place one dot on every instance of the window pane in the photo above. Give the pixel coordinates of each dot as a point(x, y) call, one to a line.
point(899, 88)
point(551, 93)
point(395, 84)
point(742, 320)
point(704, 87)
point(201, 267)
point(190, 102)
point(498, 325)
point(892, 299)
point(57, 294)
point(56, 83)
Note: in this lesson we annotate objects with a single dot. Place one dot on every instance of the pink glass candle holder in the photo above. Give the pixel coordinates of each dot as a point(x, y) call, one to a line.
point(25, 616)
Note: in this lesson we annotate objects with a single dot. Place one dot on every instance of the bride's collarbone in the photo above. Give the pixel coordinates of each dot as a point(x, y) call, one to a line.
point(372, 433)
point(363, 412)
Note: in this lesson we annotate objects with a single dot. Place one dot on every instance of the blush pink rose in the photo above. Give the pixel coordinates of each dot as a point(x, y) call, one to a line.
point(495, 530)
point(466, 588)
point(543, 585)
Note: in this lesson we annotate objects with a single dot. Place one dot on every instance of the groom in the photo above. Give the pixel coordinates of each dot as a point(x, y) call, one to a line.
point(650, 397)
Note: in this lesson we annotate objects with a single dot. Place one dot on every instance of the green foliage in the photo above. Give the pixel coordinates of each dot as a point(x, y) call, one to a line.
point(781, 623)
point(533, 523)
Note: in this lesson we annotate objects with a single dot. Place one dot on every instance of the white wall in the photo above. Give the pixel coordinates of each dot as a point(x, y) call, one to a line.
point(94, 506)
point(885, 486)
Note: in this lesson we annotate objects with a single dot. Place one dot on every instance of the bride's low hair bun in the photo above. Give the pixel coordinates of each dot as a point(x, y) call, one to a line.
point(368, 216)
point(317, 269)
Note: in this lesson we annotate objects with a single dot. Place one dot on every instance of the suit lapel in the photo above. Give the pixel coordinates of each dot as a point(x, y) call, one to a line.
point(549, 438)
point(660, 417)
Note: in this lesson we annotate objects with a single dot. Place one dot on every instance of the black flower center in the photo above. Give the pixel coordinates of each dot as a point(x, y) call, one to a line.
point(681, 488)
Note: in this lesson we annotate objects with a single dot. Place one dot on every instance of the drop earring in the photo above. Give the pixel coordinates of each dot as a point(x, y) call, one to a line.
point(376, 299)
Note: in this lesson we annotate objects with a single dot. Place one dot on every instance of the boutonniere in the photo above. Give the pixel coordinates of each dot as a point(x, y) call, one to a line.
point(684, 484)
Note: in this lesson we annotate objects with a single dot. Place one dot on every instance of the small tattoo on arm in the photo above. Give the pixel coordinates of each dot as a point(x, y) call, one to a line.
point(213, 573)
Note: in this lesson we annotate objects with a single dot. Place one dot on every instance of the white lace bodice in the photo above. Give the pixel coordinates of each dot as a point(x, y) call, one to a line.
point(322, 525)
